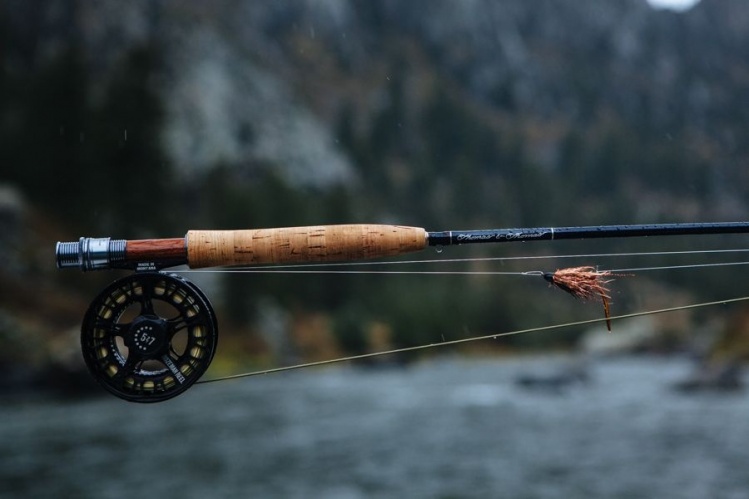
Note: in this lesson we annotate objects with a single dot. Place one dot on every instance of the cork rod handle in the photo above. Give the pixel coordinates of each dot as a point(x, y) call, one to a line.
point(322, 243)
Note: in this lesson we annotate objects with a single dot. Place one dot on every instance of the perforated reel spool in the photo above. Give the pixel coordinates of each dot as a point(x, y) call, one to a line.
point(149, 336)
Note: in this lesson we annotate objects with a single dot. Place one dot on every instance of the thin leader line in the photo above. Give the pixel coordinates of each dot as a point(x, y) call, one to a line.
point(298, 270)
point(466, 340)
point(279, 268)
point(672, 267)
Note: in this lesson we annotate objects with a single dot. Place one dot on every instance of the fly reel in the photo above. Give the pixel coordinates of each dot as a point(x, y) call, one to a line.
point(149, 336)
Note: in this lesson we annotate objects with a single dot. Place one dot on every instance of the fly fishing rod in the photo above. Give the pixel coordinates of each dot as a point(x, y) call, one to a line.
point(149, 336)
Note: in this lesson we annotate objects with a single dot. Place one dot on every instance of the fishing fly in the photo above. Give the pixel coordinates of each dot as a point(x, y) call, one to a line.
point(151, 335)
point(585, 283)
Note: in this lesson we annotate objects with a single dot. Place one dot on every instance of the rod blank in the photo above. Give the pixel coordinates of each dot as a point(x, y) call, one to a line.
point(448, 238)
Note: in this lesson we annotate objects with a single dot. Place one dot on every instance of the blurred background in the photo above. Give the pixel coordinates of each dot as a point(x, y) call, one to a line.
point(147, 119)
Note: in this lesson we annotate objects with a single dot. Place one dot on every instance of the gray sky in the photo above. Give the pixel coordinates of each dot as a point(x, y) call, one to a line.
point(673, 4)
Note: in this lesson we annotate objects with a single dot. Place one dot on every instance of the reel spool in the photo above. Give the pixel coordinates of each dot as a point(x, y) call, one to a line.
point(149, 336)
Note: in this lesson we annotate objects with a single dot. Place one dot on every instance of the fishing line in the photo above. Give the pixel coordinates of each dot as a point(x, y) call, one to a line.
point(311, 267)
point(676, 267)
point(303, 270)
point(325, 269)
point(471, 339)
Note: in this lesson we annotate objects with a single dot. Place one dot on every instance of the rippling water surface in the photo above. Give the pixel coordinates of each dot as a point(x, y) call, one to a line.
point(442, 429)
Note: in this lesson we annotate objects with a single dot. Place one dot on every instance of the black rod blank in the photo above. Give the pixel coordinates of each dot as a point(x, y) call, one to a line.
point(447, 238)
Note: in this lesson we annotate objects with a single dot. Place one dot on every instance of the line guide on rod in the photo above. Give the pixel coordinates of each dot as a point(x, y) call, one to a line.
point(149, 336)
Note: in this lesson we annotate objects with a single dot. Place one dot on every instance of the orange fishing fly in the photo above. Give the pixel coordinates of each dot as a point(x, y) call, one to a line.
point(585, 283)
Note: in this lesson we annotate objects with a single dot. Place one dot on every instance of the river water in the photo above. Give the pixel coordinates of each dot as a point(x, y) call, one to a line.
point(446, 428)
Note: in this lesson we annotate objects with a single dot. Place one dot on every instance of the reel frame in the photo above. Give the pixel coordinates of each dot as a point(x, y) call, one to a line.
point(149, 336)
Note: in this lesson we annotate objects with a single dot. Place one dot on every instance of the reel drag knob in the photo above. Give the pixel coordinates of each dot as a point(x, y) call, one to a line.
point(149, 336)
